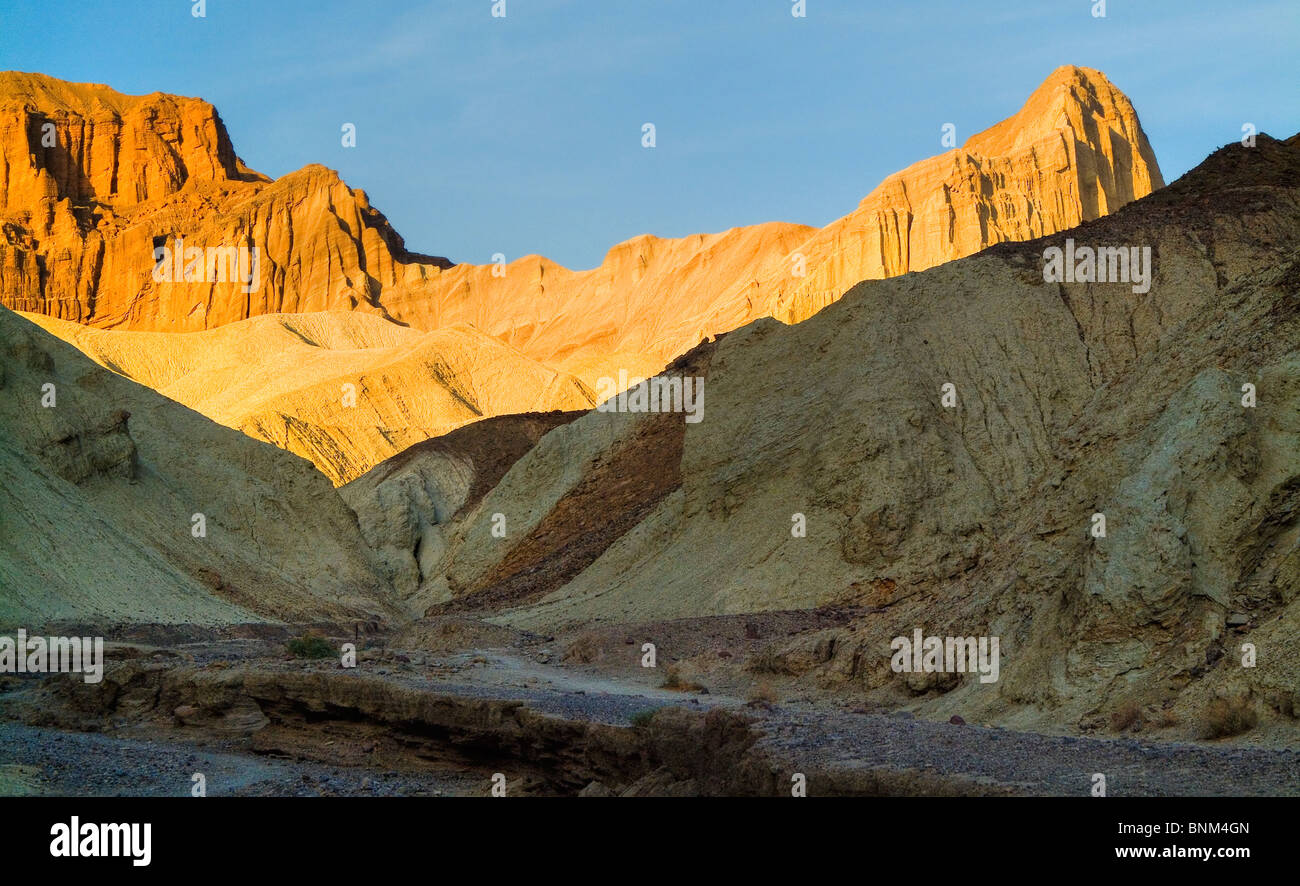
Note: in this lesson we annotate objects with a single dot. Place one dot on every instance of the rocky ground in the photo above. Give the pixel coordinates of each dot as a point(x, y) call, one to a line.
point(433, 711)
point(75, 764)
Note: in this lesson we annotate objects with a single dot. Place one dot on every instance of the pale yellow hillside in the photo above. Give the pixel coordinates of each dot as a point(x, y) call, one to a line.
point(343, 389)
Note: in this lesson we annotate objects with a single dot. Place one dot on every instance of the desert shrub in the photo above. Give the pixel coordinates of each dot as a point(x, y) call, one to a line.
point(761, 694)
point(585, 648)
point(1125, 716)
point(1230, 716)
point(641, 719)
point(675, 677)
point(311, 646)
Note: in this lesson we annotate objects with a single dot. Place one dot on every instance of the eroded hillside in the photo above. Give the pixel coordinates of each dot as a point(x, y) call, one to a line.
point(120, 506)
point(978, 519)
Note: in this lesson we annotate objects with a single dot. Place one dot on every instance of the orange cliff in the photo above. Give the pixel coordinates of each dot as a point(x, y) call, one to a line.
point(126, 173)
point(1074, 151)
point(92, 180)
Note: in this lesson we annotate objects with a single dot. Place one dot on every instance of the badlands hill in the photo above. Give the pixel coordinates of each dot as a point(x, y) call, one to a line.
point(343, 389)
point(1173, 411)
point(93, 180)
point(100, 483)
point(405, 504)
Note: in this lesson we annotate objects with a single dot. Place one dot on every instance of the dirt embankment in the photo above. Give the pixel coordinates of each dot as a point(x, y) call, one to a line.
point(344, 719)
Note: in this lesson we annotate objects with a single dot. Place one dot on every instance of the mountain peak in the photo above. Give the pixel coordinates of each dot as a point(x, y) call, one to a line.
point(1075, 101)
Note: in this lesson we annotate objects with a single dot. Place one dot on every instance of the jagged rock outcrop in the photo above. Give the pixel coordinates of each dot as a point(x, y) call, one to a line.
point(977, 518)
point(1074, 152)
point(101, 480)
point(91, 181)
point(85, 143)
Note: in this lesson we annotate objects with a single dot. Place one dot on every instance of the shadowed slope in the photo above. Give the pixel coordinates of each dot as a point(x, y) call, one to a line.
point(102, 482)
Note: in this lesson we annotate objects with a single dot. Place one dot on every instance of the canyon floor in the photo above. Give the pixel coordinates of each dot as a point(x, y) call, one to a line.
point(439, 708)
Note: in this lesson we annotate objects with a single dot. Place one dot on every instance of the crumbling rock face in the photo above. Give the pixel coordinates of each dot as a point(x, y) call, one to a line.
point(82, 143)
point(1073, 153)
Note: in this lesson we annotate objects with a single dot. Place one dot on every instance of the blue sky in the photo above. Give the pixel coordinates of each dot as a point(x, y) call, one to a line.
point(522, 135)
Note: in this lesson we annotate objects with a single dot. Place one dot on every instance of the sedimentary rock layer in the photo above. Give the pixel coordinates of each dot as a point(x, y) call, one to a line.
point(94, 180)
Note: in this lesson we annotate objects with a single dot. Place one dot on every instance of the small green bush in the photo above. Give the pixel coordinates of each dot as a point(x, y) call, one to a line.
point(641, 719)
point(311, 646)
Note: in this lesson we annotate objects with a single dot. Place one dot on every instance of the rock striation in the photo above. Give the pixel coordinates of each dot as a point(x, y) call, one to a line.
point(1074, 152)
point(91, 181)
